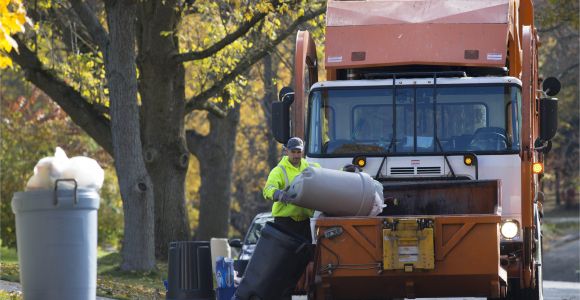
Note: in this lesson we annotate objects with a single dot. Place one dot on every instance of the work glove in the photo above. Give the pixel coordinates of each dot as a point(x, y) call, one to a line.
point(281, 196)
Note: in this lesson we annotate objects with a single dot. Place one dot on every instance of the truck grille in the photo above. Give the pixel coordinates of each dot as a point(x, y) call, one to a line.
point(402, 171)
point(415, 171)
point(428, 170)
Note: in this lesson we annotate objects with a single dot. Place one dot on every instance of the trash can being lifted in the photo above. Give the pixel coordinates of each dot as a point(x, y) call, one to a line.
point(337, 193)
point(56, 235)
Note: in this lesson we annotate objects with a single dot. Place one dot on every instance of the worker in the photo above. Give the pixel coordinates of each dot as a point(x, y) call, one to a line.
point(294, 218)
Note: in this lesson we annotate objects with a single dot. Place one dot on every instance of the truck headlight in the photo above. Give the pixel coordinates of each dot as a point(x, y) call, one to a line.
point(509, 229)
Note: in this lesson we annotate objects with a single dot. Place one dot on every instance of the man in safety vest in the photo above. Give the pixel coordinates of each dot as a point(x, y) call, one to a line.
point(290, 216)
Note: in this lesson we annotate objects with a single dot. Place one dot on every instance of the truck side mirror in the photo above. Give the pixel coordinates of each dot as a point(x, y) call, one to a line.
point(281, 115)
point(548, 118)
point(551, 86)
point(235, 243)
point(284, 91)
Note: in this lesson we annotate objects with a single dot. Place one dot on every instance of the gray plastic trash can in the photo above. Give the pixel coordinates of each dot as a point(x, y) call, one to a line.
point(56, 235)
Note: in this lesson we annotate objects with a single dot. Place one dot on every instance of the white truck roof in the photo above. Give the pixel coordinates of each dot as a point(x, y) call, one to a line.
point(418, 81)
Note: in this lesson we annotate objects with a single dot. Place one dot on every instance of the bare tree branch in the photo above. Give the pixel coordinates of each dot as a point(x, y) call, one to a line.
point(193, 140)
point(287, 63)
point(568, 69)
point(92, 24)
point(83, 113)
point(551, 28)
point(227, 40)
point(248, 61)
point(211, 108)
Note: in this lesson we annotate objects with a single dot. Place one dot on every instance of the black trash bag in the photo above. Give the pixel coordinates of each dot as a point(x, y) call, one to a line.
point(278, 261)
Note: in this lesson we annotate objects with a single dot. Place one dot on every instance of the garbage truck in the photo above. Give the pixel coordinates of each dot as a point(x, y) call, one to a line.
point(441, 102)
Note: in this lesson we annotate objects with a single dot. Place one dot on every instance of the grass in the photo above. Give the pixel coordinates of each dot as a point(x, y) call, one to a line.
point(553, 233)
point(551, 210)
point(112, 282)
point(10, 295)
point(9, 265)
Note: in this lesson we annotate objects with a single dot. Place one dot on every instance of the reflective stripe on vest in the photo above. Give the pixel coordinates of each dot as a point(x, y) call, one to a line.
point(285, 176)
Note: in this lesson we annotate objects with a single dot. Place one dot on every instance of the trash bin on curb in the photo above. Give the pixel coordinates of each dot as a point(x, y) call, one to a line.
point(56, 236)
point(278, 261)
point(189, 271)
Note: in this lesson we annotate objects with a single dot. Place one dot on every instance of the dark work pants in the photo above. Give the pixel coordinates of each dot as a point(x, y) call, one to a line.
point(301, 228)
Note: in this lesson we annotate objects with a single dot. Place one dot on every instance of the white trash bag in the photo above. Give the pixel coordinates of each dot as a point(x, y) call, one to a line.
point(84, 170)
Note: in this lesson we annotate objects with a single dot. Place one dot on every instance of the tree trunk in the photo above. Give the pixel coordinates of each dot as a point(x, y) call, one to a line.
point(270, 95)
point(134, 182)
point(557, 187)
point(215, 153)
point(251, 200)
point(163, 99)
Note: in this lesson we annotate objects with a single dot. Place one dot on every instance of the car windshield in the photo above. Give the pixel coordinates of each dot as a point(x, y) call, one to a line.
point(459, 118)
point(255, 230)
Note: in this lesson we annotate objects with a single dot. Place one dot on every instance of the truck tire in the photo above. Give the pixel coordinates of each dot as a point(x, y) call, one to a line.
point(537, 293)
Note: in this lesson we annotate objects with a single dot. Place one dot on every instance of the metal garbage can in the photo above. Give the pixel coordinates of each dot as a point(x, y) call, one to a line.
point(56, 236)
point(189, 275)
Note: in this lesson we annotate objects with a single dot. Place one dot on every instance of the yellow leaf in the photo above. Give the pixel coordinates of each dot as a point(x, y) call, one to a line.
point(7, 43)
point(12, 20)
point(5, 62)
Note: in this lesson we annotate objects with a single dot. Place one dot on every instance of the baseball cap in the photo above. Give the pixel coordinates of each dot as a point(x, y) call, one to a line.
point(295, 143)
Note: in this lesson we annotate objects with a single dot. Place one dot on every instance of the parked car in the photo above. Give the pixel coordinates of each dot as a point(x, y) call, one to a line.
point(249, 243)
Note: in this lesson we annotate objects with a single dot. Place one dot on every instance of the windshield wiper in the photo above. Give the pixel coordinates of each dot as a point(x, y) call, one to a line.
point(385, 157)
point(394, 136)
point(435, 125)
point(445, 156)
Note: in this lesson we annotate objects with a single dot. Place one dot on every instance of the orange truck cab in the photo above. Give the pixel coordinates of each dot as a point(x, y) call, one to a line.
point(440, 102)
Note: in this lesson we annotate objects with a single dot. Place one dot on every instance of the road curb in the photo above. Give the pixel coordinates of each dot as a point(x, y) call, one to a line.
point(567, 239)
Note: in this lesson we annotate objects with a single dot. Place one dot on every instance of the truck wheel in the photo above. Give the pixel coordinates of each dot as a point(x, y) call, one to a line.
point(514, 291)
point(536, 293)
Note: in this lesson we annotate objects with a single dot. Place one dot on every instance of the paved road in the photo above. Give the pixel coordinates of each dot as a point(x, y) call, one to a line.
point(558, 290)
point(560, 220)
point(562, 262)
point(553, 290)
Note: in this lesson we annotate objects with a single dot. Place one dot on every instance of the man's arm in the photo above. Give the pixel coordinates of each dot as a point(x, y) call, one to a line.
point(314, 164)
point(275, 182)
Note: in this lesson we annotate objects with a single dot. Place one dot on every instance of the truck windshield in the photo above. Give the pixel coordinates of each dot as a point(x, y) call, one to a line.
point(377, 120)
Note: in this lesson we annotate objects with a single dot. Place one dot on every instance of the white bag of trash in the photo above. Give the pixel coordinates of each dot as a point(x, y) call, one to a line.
point(379, 201)
point(85, 171)
point(47, 171)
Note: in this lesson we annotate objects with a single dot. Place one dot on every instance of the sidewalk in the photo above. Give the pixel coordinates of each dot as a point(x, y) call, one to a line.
point(15, 287)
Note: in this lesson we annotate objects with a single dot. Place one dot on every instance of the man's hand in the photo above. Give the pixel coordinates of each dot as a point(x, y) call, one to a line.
point(281, 196)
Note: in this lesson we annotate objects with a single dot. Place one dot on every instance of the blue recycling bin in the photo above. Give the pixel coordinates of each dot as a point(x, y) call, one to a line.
point(224, 273)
